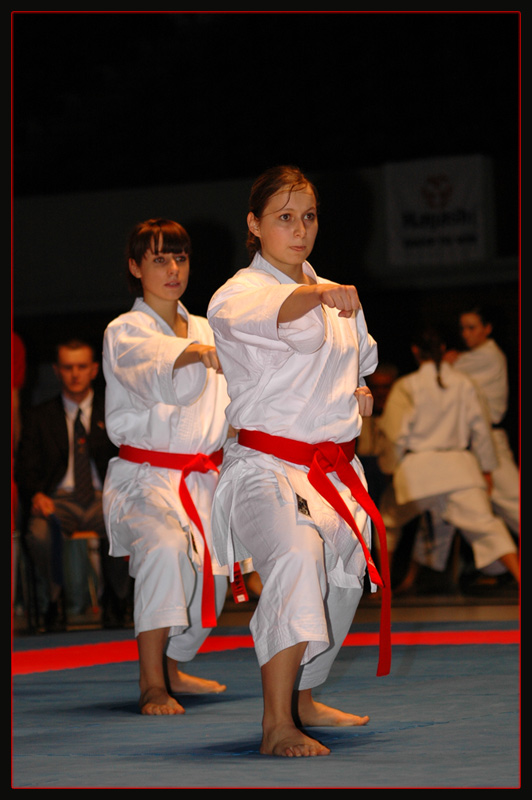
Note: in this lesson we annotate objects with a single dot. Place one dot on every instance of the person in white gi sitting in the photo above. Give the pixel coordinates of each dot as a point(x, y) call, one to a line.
point(437, 444)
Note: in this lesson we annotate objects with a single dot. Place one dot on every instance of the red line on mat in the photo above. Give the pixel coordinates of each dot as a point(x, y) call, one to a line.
point(57, 658)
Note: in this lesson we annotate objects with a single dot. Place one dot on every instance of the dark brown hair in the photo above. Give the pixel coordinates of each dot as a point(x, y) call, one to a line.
point(158, 235)
point(486, 315)
point(274, 180)
point(74, 344)
point(431, 346)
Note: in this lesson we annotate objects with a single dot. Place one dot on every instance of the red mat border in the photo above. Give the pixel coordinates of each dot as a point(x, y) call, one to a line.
point(51, 659)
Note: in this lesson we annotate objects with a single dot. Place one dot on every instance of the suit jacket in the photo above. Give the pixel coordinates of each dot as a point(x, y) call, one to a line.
point(42, 459)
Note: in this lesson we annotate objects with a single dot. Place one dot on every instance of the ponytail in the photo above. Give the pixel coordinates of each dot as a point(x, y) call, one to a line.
point(430, 347)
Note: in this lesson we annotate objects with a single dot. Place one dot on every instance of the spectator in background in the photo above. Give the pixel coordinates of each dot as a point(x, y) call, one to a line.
point(55, 502)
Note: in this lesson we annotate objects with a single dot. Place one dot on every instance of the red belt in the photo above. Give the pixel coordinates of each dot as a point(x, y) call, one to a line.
point(331, 457)
point(188, 463)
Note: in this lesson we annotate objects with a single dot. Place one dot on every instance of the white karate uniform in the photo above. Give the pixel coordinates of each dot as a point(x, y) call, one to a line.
point(487, 366)
point(296, 380)
point(151, 406)
point(427, 433)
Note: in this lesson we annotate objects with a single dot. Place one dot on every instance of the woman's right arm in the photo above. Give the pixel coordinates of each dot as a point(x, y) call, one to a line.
point(306, 298)
point(198, 353)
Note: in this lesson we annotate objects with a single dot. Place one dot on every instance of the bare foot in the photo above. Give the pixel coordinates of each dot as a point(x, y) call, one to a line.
point(314, 714)
point(157, 702)
point(290, 742)
point(182, 683)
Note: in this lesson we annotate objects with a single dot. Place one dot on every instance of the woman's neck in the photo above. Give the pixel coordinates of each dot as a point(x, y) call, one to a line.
point(170, 314)
point(295, 272)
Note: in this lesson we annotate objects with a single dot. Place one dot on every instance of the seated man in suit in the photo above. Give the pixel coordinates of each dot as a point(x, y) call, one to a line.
point(62, 461)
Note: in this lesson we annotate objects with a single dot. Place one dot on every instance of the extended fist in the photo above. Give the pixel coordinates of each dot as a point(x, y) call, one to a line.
point(344, 298)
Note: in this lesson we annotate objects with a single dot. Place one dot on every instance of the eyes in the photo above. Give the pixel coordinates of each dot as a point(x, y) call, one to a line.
point(310, 216)
point(167, 258)
point(71, 367)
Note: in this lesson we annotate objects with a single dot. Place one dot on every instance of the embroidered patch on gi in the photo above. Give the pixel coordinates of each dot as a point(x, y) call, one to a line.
point(302, 506)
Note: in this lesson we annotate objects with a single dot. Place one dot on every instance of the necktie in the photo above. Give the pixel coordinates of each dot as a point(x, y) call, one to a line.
point(83, 488)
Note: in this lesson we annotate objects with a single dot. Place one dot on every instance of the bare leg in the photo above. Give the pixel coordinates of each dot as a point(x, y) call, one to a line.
point(154, 697)
point(253, 583)
point(281, 737)
point(511, 562)
point(315, 714)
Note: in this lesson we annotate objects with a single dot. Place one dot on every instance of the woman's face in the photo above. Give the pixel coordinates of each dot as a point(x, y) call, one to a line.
point(164, 276)
point(287, 228)
point(474, 331)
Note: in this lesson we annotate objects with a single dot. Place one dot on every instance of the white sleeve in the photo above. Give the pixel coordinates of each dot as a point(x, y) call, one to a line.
point(481, 437)
point(248, 314)
point(367, 348)
point(142, 359)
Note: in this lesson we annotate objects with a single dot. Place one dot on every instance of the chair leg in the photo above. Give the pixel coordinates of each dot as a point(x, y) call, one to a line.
point(28, 587)
point(94, 571)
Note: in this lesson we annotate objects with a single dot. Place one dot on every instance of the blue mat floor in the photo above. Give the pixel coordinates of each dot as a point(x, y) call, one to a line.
point(446, 717)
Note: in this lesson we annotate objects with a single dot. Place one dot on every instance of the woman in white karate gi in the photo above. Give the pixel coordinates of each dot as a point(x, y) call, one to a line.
point(486, 364)
point(437, 444)
point(165, 404)
point(294, 349)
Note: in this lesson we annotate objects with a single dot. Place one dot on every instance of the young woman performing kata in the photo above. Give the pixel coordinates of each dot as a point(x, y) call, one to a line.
point(294, 349)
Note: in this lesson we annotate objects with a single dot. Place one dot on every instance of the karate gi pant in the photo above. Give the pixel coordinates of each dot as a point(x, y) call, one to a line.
point(298, 603)
point(505, 495)
point(168, 575)
point(466, 510)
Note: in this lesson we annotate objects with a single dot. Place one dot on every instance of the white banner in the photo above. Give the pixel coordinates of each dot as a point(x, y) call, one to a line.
point(436, 211)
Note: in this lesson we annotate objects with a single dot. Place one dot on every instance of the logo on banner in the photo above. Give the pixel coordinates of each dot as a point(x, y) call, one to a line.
point(437, 191)
point(435, 212)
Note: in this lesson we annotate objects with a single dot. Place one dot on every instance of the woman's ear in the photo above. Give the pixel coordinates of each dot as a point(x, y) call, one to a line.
point(253, 224)
point(134, 268)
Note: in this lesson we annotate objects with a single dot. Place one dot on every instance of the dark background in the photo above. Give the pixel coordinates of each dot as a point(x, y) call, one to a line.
point(105, 101)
